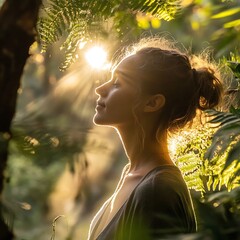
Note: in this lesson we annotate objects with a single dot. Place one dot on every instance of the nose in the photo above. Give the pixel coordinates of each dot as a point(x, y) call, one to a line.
point(102, 90)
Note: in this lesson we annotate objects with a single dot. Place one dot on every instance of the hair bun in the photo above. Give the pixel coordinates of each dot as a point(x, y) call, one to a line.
point(209, 87)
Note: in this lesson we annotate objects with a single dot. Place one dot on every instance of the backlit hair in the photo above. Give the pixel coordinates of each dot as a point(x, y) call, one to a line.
point(188, 82)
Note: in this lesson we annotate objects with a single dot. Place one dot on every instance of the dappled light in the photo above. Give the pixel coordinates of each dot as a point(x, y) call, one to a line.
point(61, 167)
point(54, 132)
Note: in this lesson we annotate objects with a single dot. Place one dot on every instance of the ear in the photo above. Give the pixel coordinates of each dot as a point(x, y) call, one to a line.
point(154, 103)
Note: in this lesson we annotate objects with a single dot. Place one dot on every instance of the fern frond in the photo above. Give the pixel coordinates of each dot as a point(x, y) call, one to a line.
point(203, 174)
point(71, 44)
point(234, 154)
point(226, 138)
point(190, 167)
point(162, 9)
point(225, 196)
point(59, 17)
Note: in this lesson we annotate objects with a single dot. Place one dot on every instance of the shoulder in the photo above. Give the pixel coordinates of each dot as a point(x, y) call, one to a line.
point(163, 180)
point(163, 189)
point(163, 200)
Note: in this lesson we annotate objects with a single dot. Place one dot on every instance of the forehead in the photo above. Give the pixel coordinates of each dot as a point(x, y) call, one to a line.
point(128, 68)
point(128, 64)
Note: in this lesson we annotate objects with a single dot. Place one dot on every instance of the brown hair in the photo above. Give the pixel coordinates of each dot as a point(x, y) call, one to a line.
point(188, 82)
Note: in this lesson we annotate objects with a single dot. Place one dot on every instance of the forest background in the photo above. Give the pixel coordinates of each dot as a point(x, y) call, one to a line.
point(57, 167)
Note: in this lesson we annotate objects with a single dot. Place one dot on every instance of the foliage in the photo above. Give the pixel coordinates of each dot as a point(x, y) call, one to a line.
point(83, 20)
point(31, 141)
point(195, 27)
point(228, 134)
point(219, 216)
point(227, 35)
point(227, 137)
point(190, 146)
point(200, 173)
point(54, 224)
point(41, 147)
point(235, 67)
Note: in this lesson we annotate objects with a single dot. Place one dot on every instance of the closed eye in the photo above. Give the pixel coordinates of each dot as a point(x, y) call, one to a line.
point(115, 82)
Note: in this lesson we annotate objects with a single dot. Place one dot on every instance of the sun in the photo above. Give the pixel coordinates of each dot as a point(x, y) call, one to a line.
point(96, 57)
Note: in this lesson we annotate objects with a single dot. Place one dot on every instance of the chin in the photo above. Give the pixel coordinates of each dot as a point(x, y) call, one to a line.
point(97, 120)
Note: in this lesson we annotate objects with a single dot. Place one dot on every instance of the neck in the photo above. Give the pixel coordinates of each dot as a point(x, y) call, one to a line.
point(145, 154)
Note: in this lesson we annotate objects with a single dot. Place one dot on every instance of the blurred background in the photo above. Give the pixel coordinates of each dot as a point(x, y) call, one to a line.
point(61, 167)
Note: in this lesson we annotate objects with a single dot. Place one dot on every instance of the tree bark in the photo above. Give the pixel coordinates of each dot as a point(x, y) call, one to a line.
point(17, 33)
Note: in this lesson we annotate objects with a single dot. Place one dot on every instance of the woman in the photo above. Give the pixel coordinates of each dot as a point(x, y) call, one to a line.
point(153, 91)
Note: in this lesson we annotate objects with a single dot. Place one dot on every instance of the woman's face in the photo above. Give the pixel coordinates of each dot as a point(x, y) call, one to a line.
point(118, 97)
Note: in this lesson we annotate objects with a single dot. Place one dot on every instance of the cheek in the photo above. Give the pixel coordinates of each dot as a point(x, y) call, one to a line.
point(123, 98)
point(121, 108)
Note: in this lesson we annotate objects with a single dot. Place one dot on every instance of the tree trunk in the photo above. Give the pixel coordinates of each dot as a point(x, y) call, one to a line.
point(17, 33)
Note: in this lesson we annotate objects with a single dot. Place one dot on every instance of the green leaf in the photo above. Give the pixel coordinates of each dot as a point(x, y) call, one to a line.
point(220, 142)
point(231, 121)
point(235, 111)
point(227, 13)
point(227, 129)
point(231, 24)
point(209, 182)
point(215, 183)
point(212, 112)
point(224, 196)
point(235, 67)
point(223, 117)
point(233, 155)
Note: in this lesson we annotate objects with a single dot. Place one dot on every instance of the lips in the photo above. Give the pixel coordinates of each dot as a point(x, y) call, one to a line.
point(101, 104)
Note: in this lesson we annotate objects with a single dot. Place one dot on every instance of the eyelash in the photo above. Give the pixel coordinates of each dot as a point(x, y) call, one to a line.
point(115, 82)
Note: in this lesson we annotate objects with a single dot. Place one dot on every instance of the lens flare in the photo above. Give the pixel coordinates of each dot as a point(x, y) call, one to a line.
point(96, 57)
